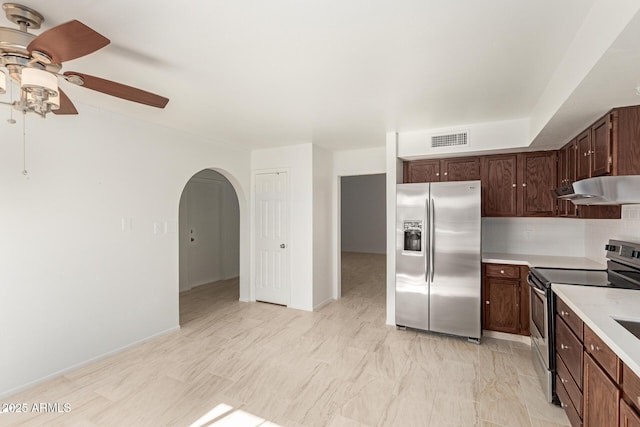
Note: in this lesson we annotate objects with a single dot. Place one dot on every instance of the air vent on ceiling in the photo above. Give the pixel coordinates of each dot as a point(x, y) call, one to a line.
point(450, 140)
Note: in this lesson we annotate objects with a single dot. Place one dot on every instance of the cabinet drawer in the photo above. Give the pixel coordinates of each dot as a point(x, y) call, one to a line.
point(601, 353)
point(569, 347)
point(565, 402)
point(503, 271)
point(571, 319)
point(569, 384)
point(631, 385)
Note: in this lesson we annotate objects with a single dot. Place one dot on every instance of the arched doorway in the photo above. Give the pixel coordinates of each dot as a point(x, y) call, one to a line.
point(209, 244)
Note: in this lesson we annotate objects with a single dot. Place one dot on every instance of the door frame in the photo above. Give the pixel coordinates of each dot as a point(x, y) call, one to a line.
point(337, 273)
point(253, 228)
point(187, 273)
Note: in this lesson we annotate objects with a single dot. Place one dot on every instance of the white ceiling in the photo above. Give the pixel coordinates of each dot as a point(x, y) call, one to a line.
point(339, 73)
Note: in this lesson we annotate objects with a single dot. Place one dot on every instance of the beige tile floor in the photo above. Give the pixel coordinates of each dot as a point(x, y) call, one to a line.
point(250, 364)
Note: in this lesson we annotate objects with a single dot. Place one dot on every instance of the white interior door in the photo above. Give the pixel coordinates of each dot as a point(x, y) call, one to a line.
point(204, 234)
point(272, 238)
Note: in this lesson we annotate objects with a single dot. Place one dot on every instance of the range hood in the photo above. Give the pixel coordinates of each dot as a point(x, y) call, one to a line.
point(602, 190)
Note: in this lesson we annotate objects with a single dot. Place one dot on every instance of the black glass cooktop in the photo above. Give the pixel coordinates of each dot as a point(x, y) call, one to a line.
point(603, 278)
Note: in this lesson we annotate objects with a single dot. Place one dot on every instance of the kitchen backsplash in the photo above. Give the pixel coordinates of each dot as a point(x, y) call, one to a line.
point(535, 236)
point(599, 231)
point(559, 236)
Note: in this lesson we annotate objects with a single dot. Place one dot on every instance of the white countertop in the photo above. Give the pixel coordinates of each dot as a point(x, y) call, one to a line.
point(595, 306)
point(542, 261)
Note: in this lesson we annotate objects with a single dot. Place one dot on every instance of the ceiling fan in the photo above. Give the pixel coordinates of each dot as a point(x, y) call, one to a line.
point(34, 62)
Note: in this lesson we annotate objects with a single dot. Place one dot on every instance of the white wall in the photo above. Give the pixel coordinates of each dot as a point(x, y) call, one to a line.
point(363, 201)
point(599, 231)
point(82, 273)
point(221, 259)
point(483, 138)
point(534, 236)
point(322, 214)
point(297, 160)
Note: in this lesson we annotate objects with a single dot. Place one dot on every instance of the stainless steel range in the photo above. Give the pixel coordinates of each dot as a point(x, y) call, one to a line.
point(623, 271)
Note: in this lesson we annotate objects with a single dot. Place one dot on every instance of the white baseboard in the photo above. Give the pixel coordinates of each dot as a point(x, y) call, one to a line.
point(323, 303)
point(41, 380)
point(507, 337)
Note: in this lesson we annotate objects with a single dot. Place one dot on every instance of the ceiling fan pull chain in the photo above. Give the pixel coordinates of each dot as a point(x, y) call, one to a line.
point(24, 144)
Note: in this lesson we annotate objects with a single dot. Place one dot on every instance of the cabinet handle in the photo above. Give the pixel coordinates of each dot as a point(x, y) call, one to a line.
point(563, 381)
point(524, 184)
point(563, 313)
point(594, 348)
point(564, 405)
point(501, 271)
point(565, 347)
point(486, 302)
point(446, 173)
point(584, 154)
point(437, 173)
point(513, 185)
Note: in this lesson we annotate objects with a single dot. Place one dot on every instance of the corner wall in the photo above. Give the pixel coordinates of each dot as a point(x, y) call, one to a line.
point(322, 238)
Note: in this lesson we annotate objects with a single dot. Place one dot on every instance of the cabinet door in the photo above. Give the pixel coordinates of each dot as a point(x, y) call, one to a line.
point(563, 179)
point(583, 160)
point(601, 160)
point(601, 396)
point(537, 177)
point(460, 169)
point(499, 195)
point(628, 417)
point(502, 305)
point(422, 171)
point(524, 302)
point(626, 152)
point(572, 156)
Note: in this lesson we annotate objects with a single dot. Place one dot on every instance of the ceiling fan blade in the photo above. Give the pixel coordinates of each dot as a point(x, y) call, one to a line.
point(66, 106)
point(68, 41)
point(117, 89)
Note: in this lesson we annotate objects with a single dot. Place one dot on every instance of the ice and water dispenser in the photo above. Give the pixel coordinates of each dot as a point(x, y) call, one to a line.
point(413, 236)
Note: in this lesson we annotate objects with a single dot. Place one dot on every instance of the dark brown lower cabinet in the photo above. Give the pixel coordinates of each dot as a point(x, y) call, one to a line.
point(505, 298)
point(601, 396)
point(502, 305)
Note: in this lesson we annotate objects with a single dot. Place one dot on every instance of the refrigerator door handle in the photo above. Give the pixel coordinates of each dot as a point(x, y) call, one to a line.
point(427, 261)
point(432, 237)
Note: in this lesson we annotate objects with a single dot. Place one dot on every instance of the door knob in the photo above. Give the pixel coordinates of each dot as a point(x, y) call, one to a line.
point(283, 246)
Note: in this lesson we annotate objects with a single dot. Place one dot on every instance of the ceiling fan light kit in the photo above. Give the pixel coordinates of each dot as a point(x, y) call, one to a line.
point(34, 63)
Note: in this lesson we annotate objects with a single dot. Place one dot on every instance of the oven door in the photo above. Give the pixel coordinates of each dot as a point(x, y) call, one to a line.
point(539, 320)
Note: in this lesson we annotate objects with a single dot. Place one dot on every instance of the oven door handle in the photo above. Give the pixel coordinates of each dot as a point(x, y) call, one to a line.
point(535, 287)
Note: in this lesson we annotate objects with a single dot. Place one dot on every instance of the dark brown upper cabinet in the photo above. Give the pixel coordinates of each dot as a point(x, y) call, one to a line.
point(601, 157)
point(436, 170)
point(421, 171)
point(536, 178)
point(583, 161)
point(566, 176)
point(460, 169)
point(499, 185)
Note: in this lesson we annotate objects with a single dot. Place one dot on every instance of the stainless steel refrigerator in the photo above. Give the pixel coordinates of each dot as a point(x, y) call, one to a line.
point(438, 257)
